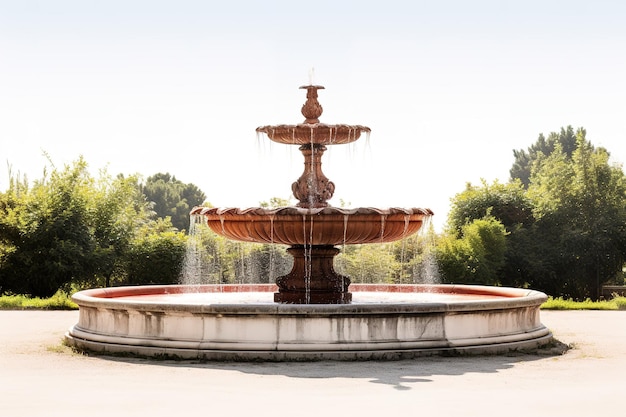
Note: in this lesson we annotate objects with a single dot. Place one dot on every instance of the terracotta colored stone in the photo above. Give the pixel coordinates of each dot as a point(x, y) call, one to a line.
point(312, 228)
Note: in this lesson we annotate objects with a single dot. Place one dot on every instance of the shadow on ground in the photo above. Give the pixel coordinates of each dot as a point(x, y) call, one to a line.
point(398, 374)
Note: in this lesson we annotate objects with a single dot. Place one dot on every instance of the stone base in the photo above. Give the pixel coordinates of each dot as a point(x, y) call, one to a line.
point(174, 324)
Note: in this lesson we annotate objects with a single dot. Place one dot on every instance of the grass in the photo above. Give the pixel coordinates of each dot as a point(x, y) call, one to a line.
point(617, 303)
point(59, 301)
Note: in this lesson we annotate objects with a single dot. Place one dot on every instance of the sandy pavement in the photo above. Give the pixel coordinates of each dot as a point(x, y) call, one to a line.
point(41, 377)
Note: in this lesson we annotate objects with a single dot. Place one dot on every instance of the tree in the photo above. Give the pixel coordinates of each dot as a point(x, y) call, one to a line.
point(505, 202)
point(13, 225)
point(508, 204)
point(543, 147)
point(71, 229)
point(368, 263)
point(275, 202)
point(415, 255)
point(47, 231)
point(172, 198)
point(476, 256)
point(118, 210)
point(581, 215)
point(156, 255)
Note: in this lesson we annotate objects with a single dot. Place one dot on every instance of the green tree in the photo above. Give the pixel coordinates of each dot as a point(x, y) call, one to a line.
point(268, 262)
point(581, 216)
point(13, 226)
point(275, 202)
point(416, 257)
point(172, 198)
point(507, 203)
point(47, 231)
point(476, 256)
point(369, 263)
point(69, 228)
point(524, 160)
point(155, 255)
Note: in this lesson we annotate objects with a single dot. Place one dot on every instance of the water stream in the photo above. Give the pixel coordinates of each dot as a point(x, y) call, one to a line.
point(212, 259)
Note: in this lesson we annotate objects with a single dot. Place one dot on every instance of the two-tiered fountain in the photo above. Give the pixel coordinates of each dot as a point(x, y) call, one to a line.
point(313, 314)
point(313, 229)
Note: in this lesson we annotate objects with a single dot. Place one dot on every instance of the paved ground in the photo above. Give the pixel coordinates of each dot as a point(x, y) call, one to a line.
point(40, 377)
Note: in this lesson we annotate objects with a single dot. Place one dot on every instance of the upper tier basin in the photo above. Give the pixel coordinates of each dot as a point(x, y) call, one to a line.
point(317, 226)
point(313, 133)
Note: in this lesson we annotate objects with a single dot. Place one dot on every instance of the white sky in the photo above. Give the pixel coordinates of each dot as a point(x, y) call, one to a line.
point(449, 89)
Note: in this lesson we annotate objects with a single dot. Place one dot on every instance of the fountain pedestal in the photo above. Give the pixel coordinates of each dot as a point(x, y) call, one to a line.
point(313, 189)
point(313, 279)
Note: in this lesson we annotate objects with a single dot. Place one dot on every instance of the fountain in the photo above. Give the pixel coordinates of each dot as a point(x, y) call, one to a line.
point(315, 313)
point(313, 229)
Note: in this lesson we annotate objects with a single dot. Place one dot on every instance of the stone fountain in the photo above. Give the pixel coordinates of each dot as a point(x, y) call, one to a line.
point(314, 313)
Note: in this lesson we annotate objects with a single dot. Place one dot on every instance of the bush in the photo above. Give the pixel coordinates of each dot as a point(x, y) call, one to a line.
point(156, 259)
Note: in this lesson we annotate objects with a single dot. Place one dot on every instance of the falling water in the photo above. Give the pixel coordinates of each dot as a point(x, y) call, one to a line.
point(410, 260)
point(427, 271)
point(207, 260)
point(272, 265)
point(407, 219)
point(192, 270)
point(346, 217)
point(308, 247)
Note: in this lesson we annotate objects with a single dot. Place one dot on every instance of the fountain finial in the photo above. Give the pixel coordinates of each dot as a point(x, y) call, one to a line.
point(312, 109)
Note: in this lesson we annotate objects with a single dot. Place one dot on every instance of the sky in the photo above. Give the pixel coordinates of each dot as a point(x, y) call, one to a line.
point(448, 88)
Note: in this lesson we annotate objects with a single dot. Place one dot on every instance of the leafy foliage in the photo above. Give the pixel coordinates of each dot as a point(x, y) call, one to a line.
point(46, 232)
point(564, 212)
point(275, 202)
point(581, 216)
point(172, 198)
point(558, 226)
point(70, 229)
point(560, 303)
point(214, 259)
point(119, 209)
point(524, 160)
point(156, 255)
point(370, 263)
point(565, 221)
point(476, 256)
point(507, 203)
point(59, 301)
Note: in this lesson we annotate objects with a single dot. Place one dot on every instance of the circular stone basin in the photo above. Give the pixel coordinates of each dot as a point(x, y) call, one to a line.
point(313, 133)
point(240, 322)
point(314, 226)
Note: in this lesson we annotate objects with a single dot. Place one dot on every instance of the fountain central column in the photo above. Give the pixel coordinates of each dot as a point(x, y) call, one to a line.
point(313, 279)
point(313, 189)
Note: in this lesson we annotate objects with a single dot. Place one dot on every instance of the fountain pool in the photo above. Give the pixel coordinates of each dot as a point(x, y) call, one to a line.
point(242, 322)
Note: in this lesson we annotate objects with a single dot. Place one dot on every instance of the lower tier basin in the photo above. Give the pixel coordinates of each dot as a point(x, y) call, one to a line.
point(241, 322)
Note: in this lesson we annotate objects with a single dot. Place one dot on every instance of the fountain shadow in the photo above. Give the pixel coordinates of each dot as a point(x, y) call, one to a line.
point(400, 375)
